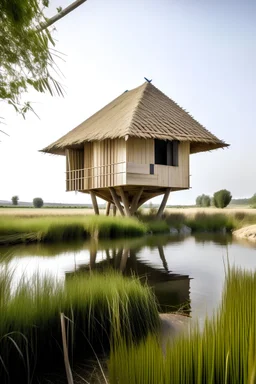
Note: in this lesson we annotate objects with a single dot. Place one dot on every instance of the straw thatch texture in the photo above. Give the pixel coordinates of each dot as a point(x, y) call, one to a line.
point(143, 112)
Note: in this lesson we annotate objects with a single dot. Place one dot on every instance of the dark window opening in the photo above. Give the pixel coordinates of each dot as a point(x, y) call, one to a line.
point(167, 152)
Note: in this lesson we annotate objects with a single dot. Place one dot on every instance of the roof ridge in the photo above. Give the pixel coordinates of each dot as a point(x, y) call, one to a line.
point(144, 86)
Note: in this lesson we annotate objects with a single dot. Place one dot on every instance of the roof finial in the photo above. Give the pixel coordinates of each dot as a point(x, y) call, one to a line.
point(149, 81)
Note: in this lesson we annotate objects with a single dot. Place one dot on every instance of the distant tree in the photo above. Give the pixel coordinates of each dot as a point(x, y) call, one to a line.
point(15, 200)
point(199, 201)
point(206, 201)
point(38, 202)
point(203, 201)
point(253, 200)
point(222, 198)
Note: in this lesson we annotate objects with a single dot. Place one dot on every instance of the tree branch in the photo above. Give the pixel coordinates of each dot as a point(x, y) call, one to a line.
point(61, 14)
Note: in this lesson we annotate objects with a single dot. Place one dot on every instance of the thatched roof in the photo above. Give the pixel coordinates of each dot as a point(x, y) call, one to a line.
point(143, 112)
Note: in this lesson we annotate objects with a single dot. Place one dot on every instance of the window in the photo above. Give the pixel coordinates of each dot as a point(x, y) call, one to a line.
point(167, 152)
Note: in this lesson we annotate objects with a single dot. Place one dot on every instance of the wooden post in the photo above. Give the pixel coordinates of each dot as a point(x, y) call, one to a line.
point(125, 202)
point(116, 200)
point(114, 209)
point(108, 208)
point(163, 204)
point(135, 201)
point(94, 202)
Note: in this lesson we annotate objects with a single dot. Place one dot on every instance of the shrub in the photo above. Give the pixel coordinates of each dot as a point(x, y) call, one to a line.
point(15, 200)
point(38, 202)
point(222, 198)
point(199, 201)
point(203, 201)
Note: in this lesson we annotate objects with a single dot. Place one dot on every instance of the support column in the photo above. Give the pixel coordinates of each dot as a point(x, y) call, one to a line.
point(108, 208)
point(135, 201)
point(125, 202)
point(94, 203)
point(163, 204)
point(116, 200)
point(114, 209)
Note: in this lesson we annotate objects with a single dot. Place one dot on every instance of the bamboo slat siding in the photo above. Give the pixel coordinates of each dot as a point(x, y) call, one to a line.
point(101, 164)
point(144, 112)
point(111, 163)
point(75, 170)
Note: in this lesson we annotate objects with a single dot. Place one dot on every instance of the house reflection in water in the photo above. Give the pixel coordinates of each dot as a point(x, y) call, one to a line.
point(171, 290)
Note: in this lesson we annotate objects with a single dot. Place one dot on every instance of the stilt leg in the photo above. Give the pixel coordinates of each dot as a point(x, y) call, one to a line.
point(116, 200)
point(125, 201)
point(135, 201)
point(108, 208)
point(94, 203)
point(163, 204)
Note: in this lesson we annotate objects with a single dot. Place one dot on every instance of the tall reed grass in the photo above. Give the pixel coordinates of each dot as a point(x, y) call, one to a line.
point(64, 228)
point(224, 352)
point(99, 309)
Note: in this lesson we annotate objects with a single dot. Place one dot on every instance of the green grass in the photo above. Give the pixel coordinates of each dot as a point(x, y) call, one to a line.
point(99, 309)
point(202, 222)
point(50, 228)
point(15, 229)
point(224, 352)
point(199, 222)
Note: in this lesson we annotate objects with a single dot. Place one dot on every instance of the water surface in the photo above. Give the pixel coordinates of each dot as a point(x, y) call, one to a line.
point(186, 273)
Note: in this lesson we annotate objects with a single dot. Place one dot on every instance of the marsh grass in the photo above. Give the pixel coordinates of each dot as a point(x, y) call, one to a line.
point(199, 221)
point(66, 228)
point(98, 309)
point(202, 222)
point(224, 352)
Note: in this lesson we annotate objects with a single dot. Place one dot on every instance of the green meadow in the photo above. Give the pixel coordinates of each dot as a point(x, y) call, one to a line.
point(57, 226)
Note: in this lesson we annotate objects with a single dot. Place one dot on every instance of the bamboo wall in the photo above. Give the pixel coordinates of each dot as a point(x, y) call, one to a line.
point(109, 163)
point(75, 169)
point(140, 154)
point(100, 164)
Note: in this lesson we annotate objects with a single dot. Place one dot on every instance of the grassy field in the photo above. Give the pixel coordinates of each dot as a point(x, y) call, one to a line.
point(31, 212)
point(52, 228)
point(55, 225)
point(223, 352)
point(98, 309)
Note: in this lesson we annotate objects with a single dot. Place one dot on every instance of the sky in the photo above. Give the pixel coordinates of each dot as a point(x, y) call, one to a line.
point(200, 53)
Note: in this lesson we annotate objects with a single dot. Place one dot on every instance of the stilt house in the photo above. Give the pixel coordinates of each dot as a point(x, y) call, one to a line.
point(135, 148)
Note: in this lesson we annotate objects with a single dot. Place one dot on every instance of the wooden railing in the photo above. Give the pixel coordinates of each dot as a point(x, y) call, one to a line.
point(102, 176)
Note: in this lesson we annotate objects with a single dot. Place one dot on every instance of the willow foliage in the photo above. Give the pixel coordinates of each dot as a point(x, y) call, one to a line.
point(26, 52)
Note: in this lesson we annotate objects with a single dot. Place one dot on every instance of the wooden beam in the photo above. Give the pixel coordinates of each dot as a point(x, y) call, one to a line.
point(163, 204)
point(94, 202)
point(116, 200)
point(108, 208)
point(114, 209)
point(125, 201)
point(135, 201)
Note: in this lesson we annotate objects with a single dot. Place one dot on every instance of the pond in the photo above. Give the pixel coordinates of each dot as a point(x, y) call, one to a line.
point(186, 273)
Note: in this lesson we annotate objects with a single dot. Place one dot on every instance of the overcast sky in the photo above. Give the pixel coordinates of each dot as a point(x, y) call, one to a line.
point(201, 53)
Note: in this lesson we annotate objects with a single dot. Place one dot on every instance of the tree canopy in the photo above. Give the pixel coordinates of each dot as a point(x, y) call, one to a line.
point(26, 52)
point(222, 198)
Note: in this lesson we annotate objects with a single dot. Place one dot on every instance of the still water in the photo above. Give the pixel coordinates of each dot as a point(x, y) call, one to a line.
point(185, 273)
